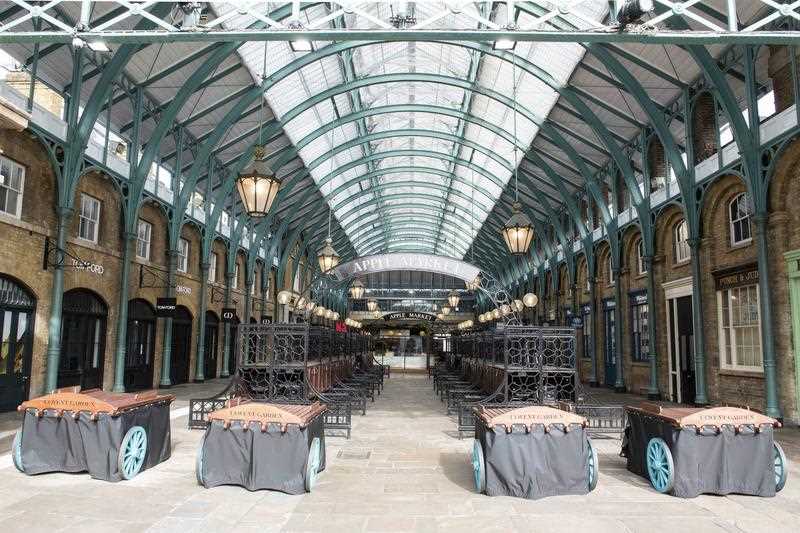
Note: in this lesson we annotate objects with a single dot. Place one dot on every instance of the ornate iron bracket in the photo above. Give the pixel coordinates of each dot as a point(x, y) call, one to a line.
point(148, 277)
point(55, 257)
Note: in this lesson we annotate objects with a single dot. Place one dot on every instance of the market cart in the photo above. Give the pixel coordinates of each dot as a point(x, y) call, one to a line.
point(687, 451)
point(532, 452)
point(113, 436)
point(260, 445)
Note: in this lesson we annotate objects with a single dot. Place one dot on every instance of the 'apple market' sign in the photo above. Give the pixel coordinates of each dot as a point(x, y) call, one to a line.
point(406, 261)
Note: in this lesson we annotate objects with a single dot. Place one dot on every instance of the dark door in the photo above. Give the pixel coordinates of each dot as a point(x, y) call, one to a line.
point(682, 349)
point(181, 346)
point(610, 345)
point(233, 344)
point(83, 339)
point(16, 343)
point(140, 346)
point(212, 342)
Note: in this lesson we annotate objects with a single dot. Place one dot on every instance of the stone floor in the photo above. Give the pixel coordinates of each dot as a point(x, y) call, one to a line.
point(403, 470)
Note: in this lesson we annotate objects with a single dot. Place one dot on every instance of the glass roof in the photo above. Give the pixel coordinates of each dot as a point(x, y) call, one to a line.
point(402, 148)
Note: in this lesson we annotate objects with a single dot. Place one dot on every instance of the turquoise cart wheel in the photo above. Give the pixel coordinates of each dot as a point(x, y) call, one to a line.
point(660, 466)
point(594, 465)
point(312, 464)
point(478, 466)
point(198, 465)
point(16, 451)
point(132, 452)
point(780, 465)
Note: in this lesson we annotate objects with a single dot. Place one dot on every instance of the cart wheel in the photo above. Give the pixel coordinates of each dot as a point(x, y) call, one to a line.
point(780, 466)
point(198, 465)
point(660, 466)
point(16, 451)
point(594, 465)
point(132, 452)
point(478, 466)
point(312, 464)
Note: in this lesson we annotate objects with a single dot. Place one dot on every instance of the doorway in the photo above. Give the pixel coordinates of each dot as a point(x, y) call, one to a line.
point(680, 341)
point(610, 342)
point(140, 350)
point(83, 340)
point(17, 306)
point(233, 343)
point(181, 346)
point(210, 348)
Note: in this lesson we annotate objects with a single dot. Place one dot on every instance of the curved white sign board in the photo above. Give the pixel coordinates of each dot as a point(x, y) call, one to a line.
point(406, 261)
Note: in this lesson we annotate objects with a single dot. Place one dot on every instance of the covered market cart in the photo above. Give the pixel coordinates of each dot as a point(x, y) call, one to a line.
point(687, 451)
point(113, 436)
point(532, 452)
point(260, 445)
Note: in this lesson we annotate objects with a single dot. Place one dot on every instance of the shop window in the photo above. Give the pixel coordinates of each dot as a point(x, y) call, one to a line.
point(640, 325)
point(680, 237)
point(235, 281)
point(739, 217)
point(89, 218)
point(641, 266)
point(144, 232)
point(587, 332)
point(611, 278)
point(183, 255)
point(212, 268)
point(740, 328)
point(12, 181)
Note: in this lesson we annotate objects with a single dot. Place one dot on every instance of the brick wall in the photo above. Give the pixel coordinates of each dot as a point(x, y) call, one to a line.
point(704, 140)
point(780, 70)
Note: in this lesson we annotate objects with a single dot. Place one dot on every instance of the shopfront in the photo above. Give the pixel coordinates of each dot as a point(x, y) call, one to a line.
point(141, 341)
point(211, 345)
point(83, 340)
point(181, 345)
point(17, 309)
point(610, 343)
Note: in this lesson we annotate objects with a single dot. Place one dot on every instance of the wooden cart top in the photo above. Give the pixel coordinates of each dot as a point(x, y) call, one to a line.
point(528, 416)
point(247, 411)
point(94, 401)
point(704, 416)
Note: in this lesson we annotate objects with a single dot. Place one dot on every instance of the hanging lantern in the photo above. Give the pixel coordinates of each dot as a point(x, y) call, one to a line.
point(284, 297)
point(518, 231)
point(357, 290)
point(505, 309)
point(300, 304)
point(517, 305)
point(310, 306)
point(481, 318)
point(445, 310)
point(320, 311)
point(376, 314)
point(335, 315)
point(530, 300)
point(496, 313)
point(328, 314)
point(372, 305)
point(327, 256)
point(453, 299)
point(475, 284)
point(258, 186)
point(440, 316)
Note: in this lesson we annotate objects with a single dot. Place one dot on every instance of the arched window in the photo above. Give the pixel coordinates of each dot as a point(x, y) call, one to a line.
point(681, 239)
point(739, 217)
point(640, 264)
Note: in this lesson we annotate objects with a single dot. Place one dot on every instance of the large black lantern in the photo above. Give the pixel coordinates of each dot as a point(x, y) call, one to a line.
point(258, 185)
point(327, 256)
point(518, 231)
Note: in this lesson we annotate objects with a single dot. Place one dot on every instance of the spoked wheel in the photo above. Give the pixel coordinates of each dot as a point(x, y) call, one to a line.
point(478, 466)
point(593, 466)
point(16, 451)
point(132, 452)
point(660, 466)
point(198, 465)
point(312, 464)
point(780, 466)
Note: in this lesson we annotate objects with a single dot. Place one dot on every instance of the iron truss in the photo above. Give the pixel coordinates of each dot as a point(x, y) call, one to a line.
point(713, 22)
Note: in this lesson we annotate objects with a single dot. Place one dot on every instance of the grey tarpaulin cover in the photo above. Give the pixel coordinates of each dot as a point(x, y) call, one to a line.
point(536, 464)
point(724, 463)
point(64, 444)
point(253, 459)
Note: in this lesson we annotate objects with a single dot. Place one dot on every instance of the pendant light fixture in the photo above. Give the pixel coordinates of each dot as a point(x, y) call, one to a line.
point(257, 183)
point(372, 305)
point(518, 230)
point(357, 290)
point(453, 299)
point(445, 310)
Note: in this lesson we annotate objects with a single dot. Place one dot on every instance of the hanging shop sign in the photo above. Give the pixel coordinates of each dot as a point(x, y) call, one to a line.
point(576, 322)
point(406, 261)
point(165, 307)
point(183, 289)
point(229, 314)
point(736, 277)
point(410, 315)
point(609, 304)
point(639, 298)
point(94, 268)
point(265, 319)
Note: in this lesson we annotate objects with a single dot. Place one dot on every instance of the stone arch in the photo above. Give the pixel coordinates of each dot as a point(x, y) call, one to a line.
point(665, 225)
point(715, 215)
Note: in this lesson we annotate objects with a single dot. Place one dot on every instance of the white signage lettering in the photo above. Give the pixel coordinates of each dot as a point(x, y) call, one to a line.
point(407, 261)
point(94, 268)
point(183, 289)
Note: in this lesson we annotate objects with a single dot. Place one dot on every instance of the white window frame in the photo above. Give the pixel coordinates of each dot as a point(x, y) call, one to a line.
point(235, 282)
point(143, 241)
point(732, 223)
point(640, 264)
point(85, 198)
point(723, 352)
point(183, 255)
point(611, 279)
point(681, 246)
point(14, 168)
point(212, 267)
